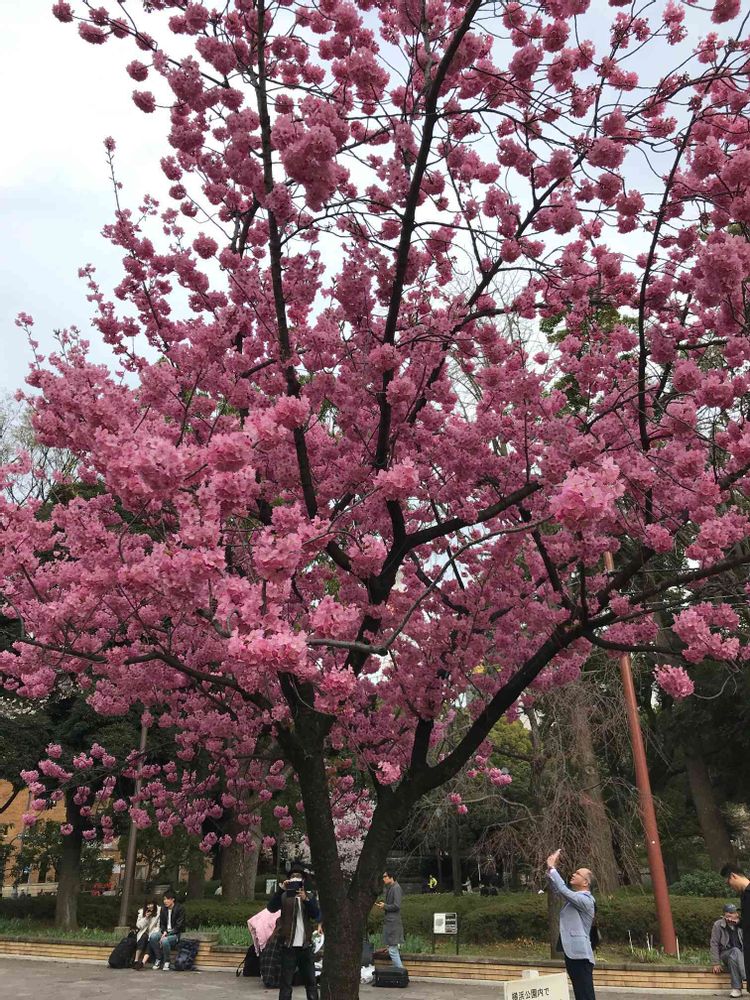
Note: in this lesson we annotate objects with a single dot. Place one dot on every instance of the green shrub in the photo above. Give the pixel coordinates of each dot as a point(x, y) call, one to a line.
point(482, 920)
point(700, 883)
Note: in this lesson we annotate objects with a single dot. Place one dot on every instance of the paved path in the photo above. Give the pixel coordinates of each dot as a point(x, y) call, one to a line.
point(34, 979)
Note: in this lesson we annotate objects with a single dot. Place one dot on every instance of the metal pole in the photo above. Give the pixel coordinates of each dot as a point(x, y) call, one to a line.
point(127, 887)
point(646, 801)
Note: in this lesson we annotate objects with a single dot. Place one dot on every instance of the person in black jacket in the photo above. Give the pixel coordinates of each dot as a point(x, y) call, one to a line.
point(738, 881)
point(171, 926)
point(299, 915)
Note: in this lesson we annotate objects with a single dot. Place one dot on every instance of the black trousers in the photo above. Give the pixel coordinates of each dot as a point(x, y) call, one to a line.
point(293, 959)
point(581, 973)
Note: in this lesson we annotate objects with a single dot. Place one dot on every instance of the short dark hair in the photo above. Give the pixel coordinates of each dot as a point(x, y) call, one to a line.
point(169, 894)
point(730, 869)
point(390, 873)
point(299, 868)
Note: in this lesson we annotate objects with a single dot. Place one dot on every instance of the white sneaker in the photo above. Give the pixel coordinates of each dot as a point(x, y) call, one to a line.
point(736, 993)
point(165, 967)
point(157, 964)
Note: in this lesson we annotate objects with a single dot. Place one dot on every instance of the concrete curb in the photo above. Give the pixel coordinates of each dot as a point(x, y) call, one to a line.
point(424, 980)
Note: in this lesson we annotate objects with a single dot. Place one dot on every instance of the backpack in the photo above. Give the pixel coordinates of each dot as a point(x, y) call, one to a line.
point(123, 953)
point(185, 961)
point(250, 964)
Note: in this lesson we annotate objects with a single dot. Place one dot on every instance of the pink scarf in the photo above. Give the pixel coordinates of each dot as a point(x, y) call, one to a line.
point(261, 927)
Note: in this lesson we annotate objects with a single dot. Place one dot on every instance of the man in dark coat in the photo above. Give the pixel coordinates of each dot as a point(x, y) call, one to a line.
point(299, 915)
point(393, 928)
point(738, 881)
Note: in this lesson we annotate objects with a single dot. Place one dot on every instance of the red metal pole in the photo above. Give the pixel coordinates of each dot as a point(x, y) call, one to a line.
point(646, 801)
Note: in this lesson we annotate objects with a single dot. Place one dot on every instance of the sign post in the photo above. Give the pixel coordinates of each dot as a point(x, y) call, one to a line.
point(444, 923)
point(554, 987)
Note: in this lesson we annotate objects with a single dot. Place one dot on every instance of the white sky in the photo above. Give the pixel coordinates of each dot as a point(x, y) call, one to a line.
point(62, 97)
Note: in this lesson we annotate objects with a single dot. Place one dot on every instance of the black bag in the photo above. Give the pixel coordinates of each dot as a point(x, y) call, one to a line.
point(123, 953)
point(186, 954)
point(250, 965)
point(394, 978)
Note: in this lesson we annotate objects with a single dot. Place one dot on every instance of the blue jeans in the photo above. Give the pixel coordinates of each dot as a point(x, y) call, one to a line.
point(395, 956)
point(162, 949)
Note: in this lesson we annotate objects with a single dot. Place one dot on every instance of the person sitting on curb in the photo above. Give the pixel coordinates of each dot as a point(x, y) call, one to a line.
point(147, 922)
point(171, 925)
point(726, 948)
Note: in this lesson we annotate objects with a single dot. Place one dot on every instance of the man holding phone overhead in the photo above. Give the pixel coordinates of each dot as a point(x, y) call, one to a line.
point(299, 915)
point(576, 918)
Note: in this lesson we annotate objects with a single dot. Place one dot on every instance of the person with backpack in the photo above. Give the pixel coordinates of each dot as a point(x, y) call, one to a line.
point(146, 923)
point(576, 920)
point(171, 925)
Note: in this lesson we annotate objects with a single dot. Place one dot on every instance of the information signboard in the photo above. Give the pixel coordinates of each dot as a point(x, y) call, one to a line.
point(445, 923)
point(270, 886)
point(553, 987)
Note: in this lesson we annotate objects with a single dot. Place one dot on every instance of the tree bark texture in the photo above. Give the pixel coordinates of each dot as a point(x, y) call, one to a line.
point(713, 827)
point(69, 870)
point(239, 867)
point(602, 860)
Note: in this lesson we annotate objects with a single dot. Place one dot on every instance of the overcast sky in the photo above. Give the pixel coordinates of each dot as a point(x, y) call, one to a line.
point(61, 98)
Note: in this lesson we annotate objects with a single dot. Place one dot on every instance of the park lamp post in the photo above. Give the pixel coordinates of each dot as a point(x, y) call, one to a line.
point(127, 887)
point(646, 801)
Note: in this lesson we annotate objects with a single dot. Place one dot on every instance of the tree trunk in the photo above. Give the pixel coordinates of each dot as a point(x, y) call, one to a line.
point(69, 870)
point(345, 904)
point(196, 875)
point(713, 827)
point(553, 922)
point(239, 865)
point(602, 859)
point(455, 856)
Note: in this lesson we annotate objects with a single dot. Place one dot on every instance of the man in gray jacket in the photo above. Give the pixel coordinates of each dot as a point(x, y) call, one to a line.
point(576, 918)
point(726, 948)
point(393, 928)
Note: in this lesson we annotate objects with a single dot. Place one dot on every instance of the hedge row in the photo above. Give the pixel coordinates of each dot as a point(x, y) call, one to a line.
point(482, 920)
point(511, 916)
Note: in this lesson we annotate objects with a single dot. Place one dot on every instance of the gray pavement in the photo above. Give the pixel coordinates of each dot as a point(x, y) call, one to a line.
point(37, 979)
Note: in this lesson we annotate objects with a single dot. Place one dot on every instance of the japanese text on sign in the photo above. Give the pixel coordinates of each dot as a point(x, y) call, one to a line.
point(445, 923)
point(554, 987)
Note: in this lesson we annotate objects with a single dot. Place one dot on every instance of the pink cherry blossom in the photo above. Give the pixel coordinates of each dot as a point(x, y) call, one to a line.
point(407, 348)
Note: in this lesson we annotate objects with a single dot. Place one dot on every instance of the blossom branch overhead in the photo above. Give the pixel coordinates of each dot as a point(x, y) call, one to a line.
point(443, 304)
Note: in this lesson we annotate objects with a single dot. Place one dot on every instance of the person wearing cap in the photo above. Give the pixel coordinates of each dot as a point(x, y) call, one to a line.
point(738, 882)
point(726, 948)
point(300, 915)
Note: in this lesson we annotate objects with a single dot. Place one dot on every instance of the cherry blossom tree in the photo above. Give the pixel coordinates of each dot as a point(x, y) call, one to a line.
point(340, 482)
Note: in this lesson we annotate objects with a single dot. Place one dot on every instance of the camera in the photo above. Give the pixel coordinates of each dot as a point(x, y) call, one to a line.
point(293, 886)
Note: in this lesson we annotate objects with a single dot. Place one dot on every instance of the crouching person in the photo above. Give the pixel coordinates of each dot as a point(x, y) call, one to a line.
point(726, 948)
point(300, 914)
point(171, 926)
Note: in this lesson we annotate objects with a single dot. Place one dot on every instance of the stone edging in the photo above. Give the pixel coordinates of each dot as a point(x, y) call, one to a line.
point(444, 967)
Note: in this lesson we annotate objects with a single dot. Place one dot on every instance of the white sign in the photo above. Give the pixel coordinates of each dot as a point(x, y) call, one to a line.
point(445, 923)
point(270, 886)
point(537, 988)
